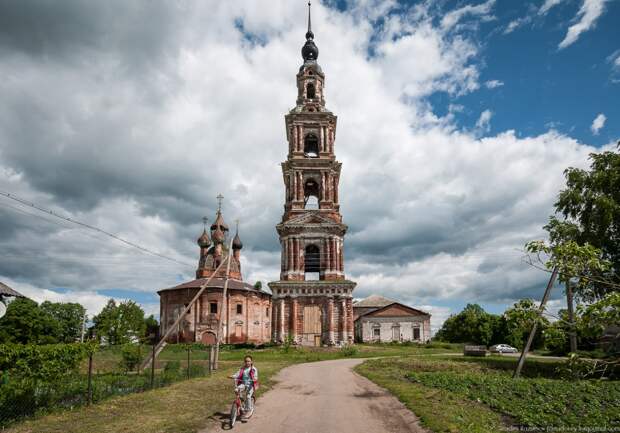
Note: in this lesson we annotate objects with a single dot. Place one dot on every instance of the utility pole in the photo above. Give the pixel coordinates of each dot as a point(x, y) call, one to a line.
point(526, 349)
point(224, 309)
point(572, 335)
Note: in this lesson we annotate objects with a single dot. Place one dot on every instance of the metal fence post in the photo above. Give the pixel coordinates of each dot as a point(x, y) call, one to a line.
point(90, 379)
point(153, 367)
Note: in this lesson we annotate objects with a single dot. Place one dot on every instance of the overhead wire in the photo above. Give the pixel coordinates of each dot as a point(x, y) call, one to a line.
point(89, 227)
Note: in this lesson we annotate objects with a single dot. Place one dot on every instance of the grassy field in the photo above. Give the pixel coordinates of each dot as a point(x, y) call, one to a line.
point(187, 406)
point(478, 395)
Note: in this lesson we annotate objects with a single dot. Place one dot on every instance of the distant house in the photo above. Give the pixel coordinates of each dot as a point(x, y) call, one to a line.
point(379, 319)
point(7, 292)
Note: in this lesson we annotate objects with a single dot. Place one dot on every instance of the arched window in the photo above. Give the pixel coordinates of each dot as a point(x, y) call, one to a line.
point(311, 146)
point(312, 263)
point(311, 194)
point(310, 91)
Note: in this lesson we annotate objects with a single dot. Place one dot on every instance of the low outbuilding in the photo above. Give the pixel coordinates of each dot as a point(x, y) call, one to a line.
point(379, 319)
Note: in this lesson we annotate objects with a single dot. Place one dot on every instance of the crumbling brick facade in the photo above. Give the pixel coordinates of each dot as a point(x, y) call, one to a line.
point(248, 316)
point(312, 301)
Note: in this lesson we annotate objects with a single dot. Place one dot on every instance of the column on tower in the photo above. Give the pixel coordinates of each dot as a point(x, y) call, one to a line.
point(341, 259)
point(343, 320)
point(330, 320)
point(293, 324)
point(281, 321)
point(327, 254)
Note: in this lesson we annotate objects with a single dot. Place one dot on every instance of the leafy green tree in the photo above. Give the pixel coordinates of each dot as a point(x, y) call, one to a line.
point(70, 318)
point(520, 319)
point(152, 328)
point(589, 214)
point(120, 324)
point(472, 325)
point(26, 323)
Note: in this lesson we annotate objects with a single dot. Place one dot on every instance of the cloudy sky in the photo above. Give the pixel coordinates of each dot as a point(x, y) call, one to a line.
point(456, 120)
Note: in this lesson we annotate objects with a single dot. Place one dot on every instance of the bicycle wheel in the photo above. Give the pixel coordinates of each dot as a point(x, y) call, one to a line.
point(233, 414)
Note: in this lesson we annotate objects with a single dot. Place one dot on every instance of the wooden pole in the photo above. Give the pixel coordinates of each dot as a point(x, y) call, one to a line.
point(224, 309)
point(541, 308)
point(572, 335)
point(162, 341)
point(153, 368)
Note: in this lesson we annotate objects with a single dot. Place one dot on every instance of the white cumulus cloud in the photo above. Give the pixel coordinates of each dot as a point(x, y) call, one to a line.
point(492, 84)
point(586, 18)
point(547, 5)
point(598, 123)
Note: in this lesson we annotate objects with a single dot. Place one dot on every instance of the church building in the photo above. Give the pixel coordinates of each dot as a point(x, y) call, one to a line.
point(247, 319)
point(312, 301)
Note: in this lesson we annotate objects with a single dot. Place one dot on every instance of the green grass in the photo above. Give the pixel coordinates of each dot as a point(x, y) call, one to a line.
point(479, 394)
point(186, 406)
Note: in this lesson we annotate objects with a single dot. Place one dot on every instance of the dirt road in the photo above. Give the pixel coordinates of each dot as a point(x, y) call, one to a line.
point(325, 397)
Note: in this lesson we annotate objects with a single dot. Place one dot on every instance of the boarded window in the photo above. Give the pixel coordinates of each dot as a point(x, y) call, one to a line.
point(213, 308)
point(416, 333)
point(376, 332)
point(239, 309)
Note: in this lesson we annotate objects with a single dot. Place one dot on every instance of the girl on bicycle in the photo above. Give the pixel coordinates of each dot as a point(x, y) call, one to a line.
point(247, 376)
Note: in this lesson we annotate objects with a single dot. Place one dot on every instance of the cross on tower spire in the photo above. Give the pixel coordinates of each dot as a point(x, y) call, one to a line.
point(309, 19)
point(219, 197)
point(205, 220)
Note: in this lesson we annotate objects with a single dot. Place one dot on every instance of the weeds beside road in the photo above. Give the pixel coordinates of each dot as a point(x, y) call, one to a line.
point(478, 395)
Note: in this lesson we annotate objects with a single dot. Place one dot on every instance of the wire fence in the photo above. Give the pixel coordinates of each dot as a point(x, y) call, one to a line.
point(103, 375)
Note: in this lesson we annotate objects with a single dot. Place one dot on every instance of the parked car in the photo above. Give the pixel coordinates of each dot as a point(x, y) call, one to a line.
point(503, 348)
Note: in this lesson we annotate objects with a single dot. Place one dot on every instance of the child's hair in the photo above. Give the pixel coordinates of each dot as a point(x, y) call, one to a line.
point(248, 356)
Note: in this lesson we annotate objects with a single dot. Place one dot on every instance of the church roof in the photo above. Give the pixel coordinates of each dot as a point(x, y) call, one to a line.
point(376, 301)
point(217, 283)
point(7, 291)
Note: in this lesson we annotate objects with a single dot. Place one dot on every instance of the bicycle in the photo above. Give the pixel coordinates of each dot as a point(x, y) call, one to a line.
point(241, 405)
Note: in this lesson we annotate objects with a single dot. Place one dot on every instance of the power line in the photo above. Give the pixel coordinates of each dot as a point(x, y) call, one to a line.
point(90, 227)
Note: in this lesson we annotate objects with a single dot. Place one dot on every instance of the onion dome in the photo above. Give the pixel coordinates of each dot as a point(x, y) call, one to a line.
point(309, 51)
point(219, 222)
point(204, 241)
point(218, 235)
point(237, 245)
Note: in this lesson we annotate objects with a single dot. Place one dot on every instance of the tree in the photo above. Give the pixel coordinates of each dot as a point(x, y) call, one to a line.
point(520, 319)
point(70, 318)
point(120, 324)
point(26, 323)
point(472, 325)
point(151, 328)
point(590, 210)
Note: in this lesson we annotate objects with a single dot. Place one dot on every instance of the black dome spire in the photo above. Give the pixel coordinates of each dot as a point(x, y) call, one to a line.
point(309, 51)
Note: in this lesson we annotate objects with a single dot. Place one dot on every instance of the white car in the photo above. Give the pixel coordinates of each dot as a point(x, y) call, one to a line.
point(503, 348)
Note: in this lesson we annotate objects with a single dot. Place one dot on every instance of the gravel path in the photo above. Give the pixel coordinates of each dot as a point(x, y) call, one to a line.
point(325, 397)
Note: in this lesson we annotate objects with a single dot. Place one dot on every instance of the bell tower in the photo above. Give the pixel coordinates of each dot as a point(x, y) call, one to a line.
point(312, 300)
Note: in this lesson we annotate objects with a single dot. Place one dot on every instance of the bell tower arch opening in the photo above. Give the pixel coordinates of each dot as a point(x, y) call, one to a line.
point(310, 91)
point(312, 263)
point(311, 194)
point(311, 146)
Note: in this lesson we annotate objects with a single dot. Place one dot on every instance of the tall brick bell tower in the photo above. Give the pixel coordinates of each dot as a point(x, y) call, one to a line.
point(312, 301)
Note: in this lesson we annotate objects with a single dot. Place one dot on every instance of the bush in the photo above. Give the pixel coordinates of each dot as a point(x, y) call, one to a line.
point(130, 356)
point(349, 350)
